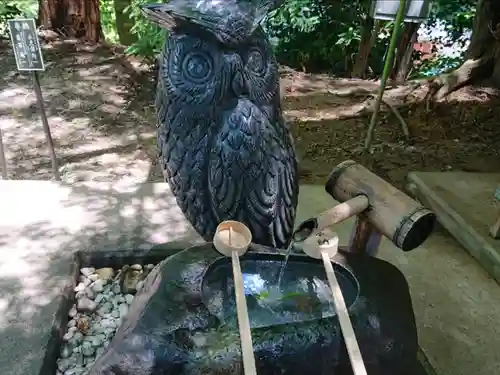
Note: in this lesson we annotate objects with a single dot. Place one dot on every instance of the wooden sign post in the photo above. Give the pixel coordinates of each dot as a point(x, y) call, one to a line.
point(29, 58)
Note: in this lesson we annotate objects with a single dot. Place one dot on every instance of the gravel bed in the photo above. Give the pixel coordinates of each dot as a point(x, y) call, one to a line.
point(102, 300)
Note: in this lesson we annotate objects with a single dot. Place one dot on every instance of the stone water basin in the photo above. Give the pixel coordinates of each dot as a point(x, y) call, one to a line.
point(183, 321)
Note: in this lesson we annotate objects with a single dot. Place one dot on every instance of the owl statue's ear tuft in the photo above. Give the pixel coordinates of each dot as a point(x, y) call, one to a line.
point(161, 14)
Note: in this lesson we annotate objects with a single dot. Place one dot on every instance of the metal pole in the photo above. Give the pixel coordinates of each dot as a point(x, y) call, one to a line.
point(385, 73)
point(46, 129)
point(3, 161)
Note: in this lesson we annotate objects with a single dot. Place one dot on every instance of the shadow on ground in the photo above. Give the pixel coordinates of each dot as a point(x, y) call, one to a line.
point(36, 249)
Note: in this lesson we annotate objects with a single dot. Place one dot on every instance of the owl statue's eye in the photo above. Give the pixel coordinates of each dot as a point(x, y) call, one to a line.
point(256, 62)
point(197, 66)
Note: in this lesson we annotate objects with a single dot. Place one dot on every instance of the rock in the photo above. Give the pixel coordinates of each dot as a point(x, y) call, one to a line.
point(129, 278)
point(77, 358)
point(97, 286)
point(98, 340)
point(99, 298)
point(72, 312)
point(63, 364)
point(106, 274)
point(89, 293)
point(68, 335)
point(129, 298)
point(115, 313)
point(105, 308)
point(108, 323)
point(86, 305)
point(94, 277)
point(80, 287)
point(116, 289)
point(71, 323)
point(87, 349)
point(87, 271)
point(65, 351)
point(76, 339)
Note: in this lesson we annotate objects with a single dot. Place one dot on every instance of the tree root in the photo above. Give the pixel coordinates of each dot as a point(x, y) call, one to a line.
point(402, 122)
point(469, 72)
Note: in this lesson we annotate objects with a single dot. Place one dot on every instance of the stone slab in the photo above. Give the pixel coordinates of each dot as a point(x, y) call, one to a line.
point(43, 223)
point(465, 205)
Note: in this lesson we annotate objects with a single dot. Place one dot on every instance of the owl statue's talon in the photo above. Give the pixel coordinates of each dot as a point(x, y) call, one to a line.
point(224, 146)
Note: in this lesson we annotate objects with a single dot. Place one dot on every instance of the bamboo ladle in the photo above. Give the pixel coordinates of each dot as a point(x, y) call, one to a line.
point(324, 245)
point(232, 239)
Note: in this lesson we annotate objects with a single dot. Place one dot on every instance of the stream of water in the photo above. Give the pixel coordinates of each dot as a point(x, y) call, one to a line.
point(282, 270)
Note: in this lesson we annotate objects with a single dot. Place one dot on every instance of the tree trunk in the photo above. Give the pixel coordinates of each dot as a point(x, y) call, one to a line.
point(78, 19)
point(123, 23)
point(369, 35)
point(404, 52)
point(483, 53)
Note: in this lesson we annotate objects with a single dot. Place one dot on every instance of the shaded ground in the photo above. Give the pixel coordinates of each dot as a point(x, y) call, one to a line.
point(102, 118)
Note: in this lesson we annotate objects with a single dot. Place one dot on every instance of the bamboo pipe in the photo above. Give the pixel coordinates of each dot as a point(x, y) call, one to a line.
point(335, 215)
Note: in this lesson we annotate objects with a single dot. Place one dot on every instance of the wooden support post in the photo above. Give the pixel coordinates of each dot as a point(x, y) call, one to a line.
point(365, 238)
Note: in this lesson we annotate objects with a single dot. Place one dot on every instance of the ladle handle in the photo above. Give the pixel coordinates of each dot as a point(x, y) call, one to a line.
point(243, 320)
point(358, 366)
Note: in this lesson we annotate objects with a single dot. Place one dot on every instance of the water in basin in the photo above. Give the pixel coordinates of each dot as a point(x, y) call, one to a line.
point(304, 293)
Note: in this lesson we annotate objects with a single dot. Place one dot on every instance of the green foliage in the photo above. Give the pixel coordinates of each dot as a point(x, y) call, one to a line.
point(317, 35)
point(150, 37)
point(457, 15)
point(16, 9)
point(108, 20)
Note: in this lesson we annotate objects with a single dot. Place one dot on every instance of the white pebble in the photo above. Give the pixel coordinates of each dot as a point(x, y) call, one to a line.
point(87, 271)
point(80, 287)
point(129, 298)
point(97, 286)
point(94, 277)
point(72, 312)
point(68, 335)
point(71, 324)
point(86, 305)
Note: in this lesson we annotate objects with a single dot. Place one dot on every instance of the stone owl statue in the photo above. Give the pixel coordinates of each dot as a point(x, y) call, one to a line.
point(223, 144)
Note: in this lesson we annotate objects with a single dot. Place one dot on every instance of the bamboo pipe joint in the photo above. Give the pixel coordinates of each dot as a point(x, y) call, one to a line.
point(391, 212)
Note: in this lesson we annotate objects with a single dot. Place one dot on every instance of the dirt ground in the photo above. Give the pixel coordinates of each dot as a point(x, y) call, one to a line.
point(101, 112)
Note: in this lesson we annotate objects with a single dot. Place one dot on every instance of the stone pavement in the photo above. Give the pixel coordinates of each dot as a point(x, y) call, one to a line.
point(41, 223)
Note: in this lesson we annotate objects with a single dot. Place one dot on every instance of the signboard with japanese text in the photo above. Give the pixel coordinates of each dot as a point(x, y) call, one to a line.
point(26, 45)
